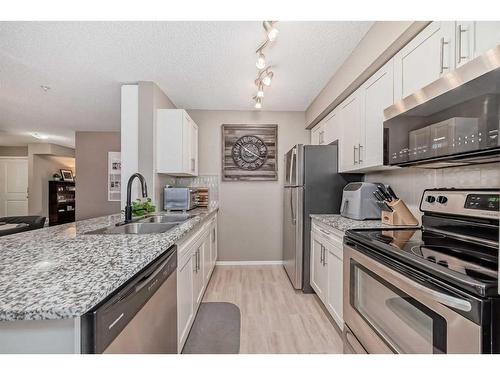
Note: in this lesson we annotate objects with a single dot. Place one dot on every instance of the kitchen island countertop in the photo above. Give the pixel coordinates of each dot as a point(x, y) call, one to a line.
point(60, 273)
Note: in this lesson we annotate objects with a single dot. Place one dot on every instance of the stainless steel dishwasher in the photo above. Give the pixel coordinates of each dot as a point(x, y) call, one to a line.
point(141, 317)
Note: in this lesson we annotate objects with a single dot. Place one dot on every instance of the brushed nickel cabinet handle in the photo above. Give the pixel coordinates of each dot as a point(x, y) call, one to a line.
point(354, 149)
point(461, 31)
point(359, 153)
point(443, 42)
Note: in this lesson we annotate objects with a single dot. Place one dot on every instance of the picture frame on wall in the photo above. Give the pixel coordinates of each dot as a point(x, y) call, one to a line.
point(249, 152)
point(114, 176)
point(67, 175)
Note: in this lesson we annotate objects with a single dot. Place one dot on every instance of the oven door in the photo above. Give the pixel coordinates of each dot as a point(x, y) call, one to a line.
point(391, 313)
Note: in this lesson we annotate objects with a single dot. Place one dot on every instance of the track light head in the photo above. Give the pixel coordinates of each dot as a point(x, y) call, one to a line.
point(272, 32)
point(261, 61)
point(260, 92)
point(258, 102)
point(266, 80)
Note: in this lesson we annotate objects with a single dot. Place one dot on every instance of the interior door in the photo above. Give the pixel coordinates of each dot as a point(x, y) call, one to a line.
point(13, 187)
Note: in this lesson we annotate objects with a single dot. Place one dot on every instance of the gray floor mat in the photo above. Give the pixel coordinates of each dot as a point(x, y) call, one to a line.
point(216, 330)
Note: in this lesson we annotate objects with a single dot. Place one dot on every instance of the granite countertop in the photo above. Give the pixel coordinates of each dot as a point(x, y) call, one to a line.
point(343, 223)
point(58, 272)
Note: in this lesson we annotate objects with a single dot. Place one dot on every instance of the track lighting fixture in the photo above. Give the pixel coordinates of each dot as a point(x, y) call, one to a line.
point(266, 80)
point(272, 32)
point(261, 61)
point(258, 102)
point(260, 92)
point(265, 75)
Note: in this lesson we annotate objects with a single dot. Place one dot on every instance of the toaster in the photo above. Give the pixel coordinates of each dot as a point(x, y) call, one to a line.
point(358, 201)
point(180, 198)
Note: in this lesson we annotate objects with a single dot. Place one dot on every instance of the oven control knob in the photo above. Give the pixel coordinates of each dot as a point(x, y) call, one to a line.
point(442, 199)
point(431, 199)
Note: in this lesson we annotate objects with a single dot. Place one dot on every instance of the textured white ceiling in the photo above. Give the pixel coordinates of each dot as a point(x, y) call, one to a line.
point(200, 65)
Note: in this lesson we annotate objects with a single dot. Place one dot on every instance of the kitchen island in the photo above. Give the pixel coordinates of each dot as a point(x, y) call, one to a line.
point(52, 276)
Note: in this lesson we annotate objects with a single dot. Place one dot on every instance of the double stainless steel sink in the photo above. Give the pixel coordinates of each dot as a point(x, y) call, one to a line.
point(158, 223)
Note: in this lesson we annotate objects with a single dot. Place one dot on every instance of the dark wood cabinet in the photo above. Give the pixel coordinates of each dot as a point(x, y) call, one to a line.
point(61, 202)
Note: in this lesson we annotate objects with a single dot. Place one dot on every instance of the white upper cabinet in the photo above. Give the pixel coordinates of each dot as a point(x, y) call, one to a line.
point(473, 38)
point(332, 127)
point(425, 58)
point(176, 143)
point(318, 134)
point(350, 120)
point(377, 93)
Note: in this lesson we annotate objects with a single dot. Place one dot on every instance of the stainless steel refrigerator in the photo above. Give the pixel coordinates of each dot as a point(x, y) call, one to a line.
point(312, 186)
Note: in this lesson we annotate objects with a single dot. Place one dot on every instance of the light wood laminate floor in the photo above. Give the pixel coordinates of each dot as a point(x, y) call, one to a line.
point(274, 317)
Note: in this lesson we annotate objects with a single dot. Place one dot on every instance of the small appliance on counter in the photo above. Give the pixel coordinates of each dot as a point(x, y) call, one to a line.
point(358, 202)
point(180, 198)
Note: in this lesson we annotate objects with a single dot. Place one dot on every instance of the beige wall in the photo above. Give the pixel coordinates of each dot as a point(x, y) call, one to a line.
point(379, 44)
point(92, 181)
point(13, 151)
point(250, 218)
point(151, 98)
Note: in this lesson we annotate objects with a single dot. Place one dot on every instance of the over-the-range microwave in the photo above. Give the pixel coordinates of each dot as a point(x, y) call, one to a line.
point(453, 121)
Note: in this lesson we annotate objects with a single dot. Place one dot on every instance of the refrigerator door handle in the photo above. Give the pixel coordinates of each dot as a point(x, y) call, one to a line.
point(294, 219)
point(293, 161)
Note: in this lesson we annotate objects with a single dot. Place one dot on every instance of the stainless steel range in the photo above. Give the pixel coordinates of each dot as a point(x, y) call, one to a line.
point(427, 290)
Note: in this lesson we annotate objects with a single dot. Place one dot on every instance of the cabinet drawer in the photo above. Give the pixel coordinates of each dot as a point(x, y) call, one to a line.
point(332, 241)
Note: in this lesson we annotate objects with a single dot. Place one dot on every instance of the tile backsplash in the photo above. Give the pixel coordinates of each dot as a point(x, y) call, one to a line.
point(209, 181)
point(409, 183)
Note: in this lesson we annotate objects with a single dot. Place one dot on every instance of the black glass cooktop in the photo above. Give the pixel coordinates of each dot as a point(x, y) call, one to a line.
point(469, 265)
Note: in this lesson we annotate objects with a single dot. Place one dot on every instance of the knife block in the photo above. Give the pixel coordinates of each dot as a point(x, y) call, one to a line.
point(400, 214)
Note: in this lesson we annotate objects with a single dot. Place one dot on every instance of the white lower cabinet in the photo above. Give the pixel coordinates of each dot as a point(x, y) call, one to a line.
point(319, 276)
point(185, 306)
point(334, 297)
point(326, 270)
point(196, 256)
point(213, 241)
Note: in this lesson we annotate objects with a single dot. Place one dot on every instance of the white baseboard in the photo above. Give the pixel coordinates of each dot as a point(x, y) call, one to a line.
point(249, 263)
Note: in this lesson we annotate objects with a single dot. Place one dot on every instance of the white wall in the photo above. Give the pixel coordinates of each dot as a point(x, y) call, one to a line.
point(250, 218)
point(138, 143)
point(409, 183)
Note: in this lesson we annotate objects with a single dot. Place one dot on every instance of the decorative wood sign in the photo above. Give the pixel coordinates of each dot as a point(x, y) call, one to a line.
point(249, 152)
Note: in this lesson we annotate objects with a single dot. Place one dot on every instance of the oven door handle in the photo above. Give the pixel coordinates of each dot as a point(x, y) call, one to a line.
point(442, 298)
point(445, 299)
